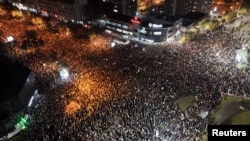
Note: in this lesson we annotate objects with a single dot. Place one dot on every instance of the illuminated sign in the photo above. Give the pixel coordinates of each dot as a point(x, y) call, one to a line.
point(135, 20)
point(150, 25)
point(117, 24)
point(155, 25)
point(143, 31)
point(157, 33)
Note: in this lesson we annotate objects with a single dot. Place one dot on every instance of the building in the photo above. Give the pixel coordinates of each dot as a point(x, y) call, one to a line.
point(132, 7)
point(17, 87)
point(203, 6)
point(155, 30)
point(147, 29)
point(221, 7)
point(67, 10)
point(181, 7)
point(125, 7)
point(145, 4)
point(123, 25)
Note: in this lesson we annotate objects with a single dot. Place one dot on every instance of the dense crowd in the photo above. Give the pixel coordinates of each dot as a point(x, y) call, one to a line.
point(129, 93)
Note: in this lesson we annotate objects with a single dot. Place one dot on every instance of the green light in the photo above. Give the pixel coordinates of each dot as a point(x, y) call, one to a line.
point(21, 124)
point(24, 121)
point(23, 127)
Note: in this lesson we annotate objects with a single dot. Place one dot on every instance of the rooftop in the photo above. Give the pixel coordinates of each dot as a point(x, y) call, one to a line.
point(192, 17)
point(13, 76)
point(121, 17)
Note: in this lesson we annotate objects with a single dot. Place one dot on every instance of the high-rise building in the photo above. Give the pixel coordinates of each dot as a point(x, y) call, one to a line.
point(180, 7)
point(74, 10)
point(133, 7)
point(145, 4)
point(125, 7)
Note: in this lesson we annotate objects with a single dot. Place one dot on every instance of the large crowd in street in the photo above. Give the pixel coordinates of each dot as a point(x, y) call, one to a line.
point(129, 93)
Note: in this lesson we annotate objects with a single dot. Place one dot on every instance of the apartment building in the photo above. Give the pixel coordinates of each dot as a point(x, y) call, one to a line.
point(126, 7)
point(181, 7)
point(73, 10)
point(145, 4)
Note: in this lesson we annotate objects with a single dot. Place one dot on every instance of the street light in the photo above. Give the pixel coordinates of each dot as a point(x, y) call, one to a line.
point(64, 73)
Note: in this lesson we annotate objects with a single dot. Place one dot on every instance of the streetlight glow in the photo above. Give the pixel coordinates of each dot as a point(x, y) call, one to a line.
point(64, 74)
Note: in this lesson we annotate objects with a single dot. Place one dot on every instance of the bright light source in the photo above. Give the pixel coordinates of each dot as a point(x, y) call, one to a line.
point(135, 20)
point(10, 39)
point(157, 133)
point(21, 124)
point(31, 101)
point(178, 32)
point(108, 31)
point(215, 9)
point(64, 74)
point(33, 10)
point(85, 26)
point(113, 44)
point(242, 56)
point(238, 58)
point(203, 114)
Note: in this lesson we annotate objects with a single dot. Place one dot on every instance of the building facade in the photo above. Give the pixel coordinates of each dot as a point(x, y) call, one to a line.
point(125, 7)
point(157, 30)
point(123, 25)
point(146, 30)
point(68, 10)
point(181, 7)
point(145, 4)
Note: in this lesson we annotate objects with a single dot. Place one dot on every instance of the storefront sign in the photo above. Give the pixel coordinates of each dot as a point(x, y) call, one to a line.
point(143, 31)
point(155, 25)
point(157, 33)
point(135, 20)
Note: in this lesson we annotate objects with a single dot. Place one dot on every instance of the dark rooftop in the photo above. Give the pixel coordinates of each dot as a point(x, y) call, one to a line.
point(13, 76)
point(168, 18)
point(194, 15)
point(121, 17)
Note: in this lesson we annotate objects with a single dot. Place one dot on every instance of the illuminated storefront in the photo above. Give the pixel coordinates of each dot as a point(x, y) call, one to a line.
point(155, 30)
point(123, 25)
point(149, 30)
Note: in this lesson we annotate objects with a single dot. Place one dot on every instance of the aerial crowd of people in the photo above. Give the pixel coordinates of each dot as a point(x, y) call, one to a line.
point(129, 93)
